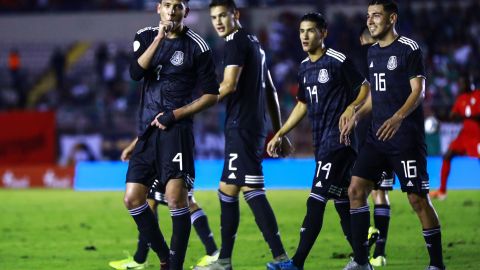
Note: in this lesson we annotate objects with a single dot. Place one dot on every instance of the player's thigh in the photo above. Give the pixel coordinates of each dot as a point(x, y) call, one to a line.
point(175, 148)
point(371, 164)
point(333, 173)
point(411, 168)
point(243, 158)
point(141, 167)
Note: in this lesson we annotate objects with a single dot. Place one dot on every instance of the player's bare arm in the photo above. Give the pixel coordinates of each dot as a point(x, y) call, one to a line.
point(350, 110)
point(391, 125)
point(285, 146)
point(127, 152)
point(364, 110)
point(295, 117)
point(231, 75)
point(205, 101)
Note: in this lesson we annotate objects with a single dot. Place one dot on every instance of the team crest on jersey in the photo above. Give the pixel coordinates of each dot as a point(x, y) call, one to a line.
point(323, 76)
point(392, 63)
point(177, 58)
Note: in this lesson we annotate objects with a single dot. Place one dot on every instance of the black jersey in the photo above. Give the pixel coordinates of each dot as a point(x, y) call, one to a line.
point(328, 86)
point(390, 70)
point(177, 67)
point(246, 107)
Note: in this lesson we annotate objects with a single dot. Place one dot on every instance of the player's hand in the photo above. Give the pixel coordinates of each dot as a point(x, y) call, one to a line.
point(164, 27)
point(273, 146)
point(389, 128)
point(346, 130)
point(286, 147)
point(345, 117)
point(127, 152)
point(163, 120)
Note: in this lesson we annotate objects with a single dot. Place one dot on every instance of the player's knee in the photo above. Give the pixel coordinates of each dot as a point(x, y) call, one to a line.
point(132, 202)
point(356, 191)
point(177, 202)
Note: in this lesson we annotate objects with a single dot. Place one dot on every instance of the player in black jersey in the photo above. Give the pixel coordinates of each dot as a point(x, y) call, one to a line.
point(330, 88)
point(381, 214)
point(249, 92)
point(396, 136)
point(156, 196)
point(172, 60)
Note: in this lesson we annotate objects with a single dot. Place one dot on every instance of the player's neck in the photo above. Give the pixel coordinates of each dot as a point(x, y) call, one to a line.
point(388, 39)
point(176, 32)
point(318, 53)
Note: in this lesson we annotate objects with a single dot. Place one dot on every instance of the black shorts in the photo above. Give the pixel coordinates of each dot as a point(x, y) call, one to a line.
point(386, 182)
point(163, 155)
point(243, 158)
point(410, 166)
point(333, 173)
point(157, 193)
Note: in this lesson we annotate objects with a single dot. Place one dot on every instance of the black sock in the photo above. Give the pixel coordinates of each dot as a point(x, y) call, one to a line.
point(433, 239)
point(180, 233)
point(142, 246)
point(265, 219)
point(229, 220)
point(142, 250)
point(343, 210)
point(311, 227)
point(200, 223)
point(360, 222)
point(148, 228)
point(381, 217)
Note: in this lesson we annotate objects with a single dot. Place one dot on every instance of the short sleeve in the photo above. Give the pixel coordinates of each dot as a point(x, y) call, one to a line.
point(301, 89)
point(235, 52)
point(415, 65)
point(139, 47)
point(207, 79)
point(351, 75)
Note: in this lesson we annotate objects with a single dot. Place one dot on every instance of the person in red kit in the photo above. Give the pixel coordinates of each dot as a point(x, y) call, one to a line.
point(466, 108)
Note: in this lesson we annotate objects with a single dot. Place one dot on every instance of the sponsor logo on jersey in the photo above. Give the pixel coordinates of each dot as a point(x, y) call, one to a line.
point(319, 184)
point(409, 184)
point(371, 65)
point(177, 58)
point(232, 176)
point(392, 62)
point(323, 76)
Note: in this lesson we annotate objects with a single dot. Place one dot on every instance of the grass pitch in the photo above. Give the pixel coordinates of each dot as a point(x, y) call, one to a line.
point(54, 229)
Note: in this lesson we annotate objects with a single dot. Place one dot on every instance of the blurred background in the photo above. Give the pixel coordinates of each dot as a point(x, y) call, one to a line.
point(66, 95)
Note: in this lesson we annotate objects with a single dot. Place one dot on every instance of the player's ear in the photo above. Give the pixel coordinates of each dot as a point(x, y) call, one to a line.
point(393, 18)
point(159, 5)
point(236, 14)
point(324, 33)
point(187, 10)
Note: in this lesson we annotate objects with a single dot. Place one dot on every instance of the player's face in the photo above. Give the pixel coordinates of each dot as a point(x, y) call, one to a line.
point(379, 22)
point(311, 37)
point(223, 20)
point(172, 10)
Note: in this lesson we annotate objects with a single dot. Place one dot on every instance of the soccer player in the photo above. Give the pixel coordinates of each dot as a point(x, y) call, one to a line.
point(379, 195)
point(198, 219)
point(396, 136)
point(330, 88)
point(172, 59)
point(466, 108)
point(248, 90)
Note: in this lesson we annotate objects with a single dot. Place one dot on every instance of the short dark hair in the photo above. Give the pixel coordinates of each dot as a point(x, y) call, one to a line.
point(186, 1)
point(389, 6)
point(316, 18)
point(230, 4)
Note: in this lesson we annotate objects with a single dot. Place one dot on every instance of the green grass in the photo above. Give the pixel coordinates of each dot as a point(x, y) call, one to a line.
point(50, 229)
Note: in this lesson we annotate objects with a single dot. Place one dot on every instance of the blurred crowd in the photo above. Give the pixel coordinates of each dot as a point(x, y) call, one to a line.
point(98, 96)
